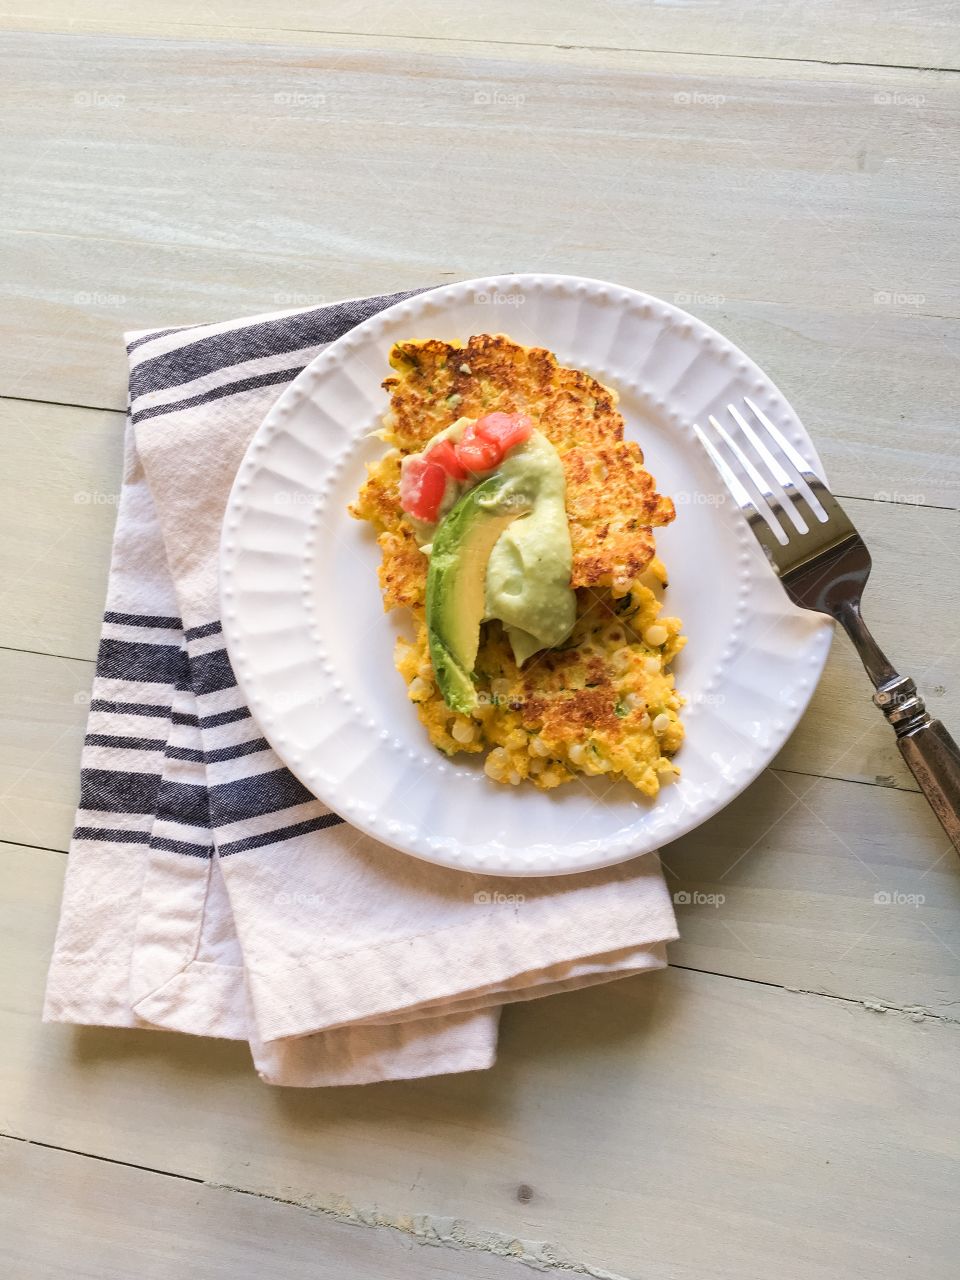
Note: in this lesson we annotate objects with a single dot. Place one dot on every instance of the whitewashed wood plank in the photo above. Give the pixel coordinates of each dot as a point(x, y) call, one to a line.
point(923, 35)
point(675, 1125)
point(823, 886)
point(801, 199)
point(58, 502)
point(625, 137)
point(93, 1220)
point(45, 703)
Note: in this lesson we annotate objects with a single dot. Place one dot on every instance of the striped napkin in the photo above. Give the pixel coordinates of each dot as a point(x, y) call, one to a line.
point(208, 892)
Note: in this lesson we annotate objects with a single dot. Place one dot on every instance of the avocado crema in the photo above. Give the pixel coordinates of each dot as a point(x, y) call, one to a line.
point(501, 551)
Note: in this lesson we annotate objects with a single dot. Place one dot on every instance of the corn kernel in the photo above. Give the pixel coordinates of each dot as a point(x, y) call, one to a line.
point(418, 689)
point(620, 661)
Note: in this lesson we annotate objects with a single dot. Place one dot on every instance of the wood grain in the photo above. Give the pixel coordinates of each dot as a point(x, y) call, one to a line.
point(728, 1128)
point(925, 35)
point(134, 1221)
point(45, 703)
point(149, 183)
point(823, 886)
point(58, 503)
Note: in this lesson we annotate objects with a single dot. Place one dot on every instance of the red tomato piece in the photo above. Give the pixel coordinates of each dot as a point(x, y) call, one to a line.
point(475, 453)
point(444, 455)
point(422, 486)
point(478, 455)
point(504, 429)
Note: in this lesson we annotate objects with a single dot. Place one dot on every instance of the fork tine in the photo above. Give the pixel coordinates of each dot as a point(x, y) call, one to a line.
point(819, 491)
point(775, 460)
point(741, 496)
point(770, 501)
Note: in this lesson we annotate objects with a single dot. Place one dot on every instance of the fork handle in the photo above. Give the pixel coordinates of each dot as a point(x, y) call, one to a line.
point(930, 752)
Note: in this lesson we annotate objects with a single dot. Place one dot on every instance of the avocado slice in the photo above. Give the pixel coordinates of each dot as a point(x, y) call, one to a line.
point(456, 582)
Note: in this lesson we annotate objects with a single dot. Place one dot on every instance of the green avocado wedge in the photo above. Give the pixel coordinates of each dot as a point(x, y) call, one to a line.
point(456, 582)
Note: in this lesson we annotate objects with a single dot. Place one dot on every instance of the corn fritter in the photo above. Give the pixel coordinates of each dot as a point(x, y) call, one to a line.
point(605, 701)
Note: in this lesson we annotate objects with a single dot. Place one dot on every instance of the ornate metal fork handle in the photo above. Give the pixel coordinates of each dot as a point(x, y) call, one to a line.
point(823, 564)
point(928, 749)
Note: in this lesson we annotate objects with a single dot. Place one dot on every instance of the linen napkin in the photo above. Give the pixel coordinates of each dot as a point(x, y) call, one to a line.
point(207, 891)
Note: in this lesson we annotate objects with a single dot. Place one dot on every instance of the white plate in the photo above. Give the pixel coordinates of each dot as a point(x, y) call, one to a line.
point(312, 648)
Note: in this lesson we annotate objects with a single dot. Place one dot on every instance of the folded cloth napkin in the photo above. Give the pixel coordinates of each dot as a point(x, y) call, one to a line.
point(207, 890)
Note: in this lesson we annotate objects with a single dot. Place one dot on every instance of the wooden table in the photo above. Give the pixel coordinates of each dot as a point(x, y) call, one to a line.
point(782, 1102)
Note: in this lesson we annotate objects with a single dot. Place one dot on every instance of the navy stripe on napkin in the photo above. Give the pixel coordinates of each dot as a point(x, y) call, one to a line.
point(268, 796)
point(255, 342)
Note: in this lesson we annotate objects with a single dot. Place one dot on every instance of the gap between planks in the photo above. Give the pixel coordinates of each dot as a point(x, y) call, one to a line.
point(458, 44)
point(457, 1236)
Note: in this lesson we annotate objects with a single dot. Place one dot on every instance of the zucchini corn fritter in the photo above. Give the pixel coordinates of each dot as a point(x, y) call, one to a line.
point(604, 701)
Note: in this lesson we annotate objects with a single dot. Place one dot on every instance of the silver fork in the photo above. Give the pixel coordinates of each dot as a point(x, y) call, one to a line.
point(823, 564)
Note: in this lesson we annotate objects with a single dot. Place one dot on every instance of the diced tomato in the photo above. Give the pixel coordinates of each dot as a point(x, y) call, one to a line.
point(504, 429)
point(422, 486)
point(478, 455)
point(475, 453)
point(444, 455)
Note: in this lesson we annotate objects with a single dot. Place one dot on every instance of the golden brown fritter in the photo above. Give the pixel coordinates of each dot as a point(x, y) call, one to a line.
point(613, 507)
point(437, 382)
point(605, 702)
point(612, 501)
